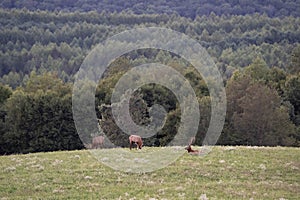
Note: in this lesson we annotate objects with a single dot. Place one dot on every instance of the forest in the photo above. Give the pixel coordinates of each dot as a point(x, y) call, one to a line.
point(188, 8)
point(255, 45)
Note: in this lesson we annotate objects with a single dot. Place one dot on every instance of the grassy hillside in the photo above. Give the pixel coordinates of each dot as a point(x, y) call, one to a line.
point(225, 173)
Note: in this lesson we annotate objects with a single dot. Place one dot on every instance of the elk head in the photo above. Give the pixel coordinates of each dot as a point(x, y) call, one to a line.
point(137, 140)
point(189, 148)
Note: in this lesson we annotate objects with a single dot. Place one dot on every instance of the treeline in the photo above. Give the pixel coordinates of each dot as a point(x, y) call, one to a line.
point(262, 105)
point(57, 41)
point(262, 108)
point(37, 117)
point(189, 8)
point(40, 52)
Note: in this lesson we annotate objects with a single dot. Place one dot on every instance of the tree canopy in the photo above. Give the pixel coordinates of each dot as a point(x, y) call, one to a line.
point(189, 8)
point(255, 45)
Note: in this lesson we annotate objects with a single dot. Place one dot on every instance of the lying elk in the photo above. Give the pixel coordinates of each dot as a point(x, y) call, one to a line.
point(189, 148)
point(97, 142)
point(137, 140)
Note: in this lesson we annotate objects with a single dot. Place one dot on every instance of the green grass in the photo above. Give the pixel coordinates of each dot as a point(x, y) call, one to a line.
point(225, 173)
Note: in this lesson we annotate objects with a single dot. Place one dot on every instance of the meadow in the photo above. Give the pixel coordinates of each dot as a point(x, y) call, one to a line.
point(225, 173)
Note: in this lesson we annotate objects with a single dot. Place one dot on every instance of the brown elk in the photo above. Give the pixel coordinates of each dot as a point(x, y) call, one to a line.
point(97, 142)
point(189, 148)
point(137, 140)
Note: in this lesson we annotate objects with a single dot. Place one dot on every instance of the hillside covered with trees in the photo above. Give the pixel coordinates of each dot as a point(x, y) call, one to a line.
point(189, 8)
point(255, 45)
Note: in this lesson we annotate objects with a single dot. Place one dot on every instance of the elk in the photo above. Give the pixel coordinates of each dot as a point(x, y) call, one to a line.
point(97, 142)
point(189, 148)
point(137, 140)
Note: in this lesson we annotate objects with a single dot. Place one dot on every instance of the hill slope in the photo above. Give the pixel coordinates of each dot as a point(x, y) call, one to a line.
point(225, 173)
point(189, 8)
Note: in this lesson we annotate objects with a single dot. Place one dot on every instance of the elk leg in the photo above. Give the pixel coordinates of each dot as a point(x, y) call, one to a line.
point(139, 145)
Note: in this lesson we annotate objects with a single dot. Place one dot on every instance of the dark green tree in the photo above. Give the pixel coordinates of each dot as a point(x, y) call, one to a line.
point(292, 93)
point(294, 67)
point(263, 121)
point(39, 117)
point(5, 93)
point(255, 114)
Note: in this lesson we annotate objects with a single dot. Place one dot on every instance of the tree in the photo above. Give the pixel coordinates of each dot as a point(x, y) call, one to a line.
point(142, 108)
point(294, 68)
point(5, 93)
point(205, 115)
point(235, 90)
point(39, 117)
point(255, 113)
point(139, 113)
point(277, 79)
point(13, 79)
point(258, 70)
point(263, 121)
point(292, 93)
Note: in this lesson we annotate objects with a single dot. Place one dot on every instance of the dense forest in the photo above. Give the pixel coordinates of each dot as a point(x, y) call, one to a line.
point(188, 8)
point(255, 45)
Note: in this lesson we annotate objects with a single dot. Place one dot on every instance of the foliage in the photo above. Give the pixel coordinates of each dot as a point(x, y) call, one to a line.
point(260, 116)
point(190, 8)
point(292, 93)
point(256, 114)
point(42, 47)
point(295, 61)
point(5, 93)
point(39, 117)
point(59, 41)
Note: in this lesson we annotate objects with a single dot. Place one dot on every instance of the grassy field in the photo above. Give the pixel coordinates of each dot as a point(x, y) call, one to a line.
point(225, 173)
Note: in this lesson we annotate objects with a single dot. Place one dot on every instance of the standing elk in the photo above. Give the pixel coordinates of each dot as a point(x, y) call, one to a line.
point(189, 148)
point(97, 142)
point(137, 140)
